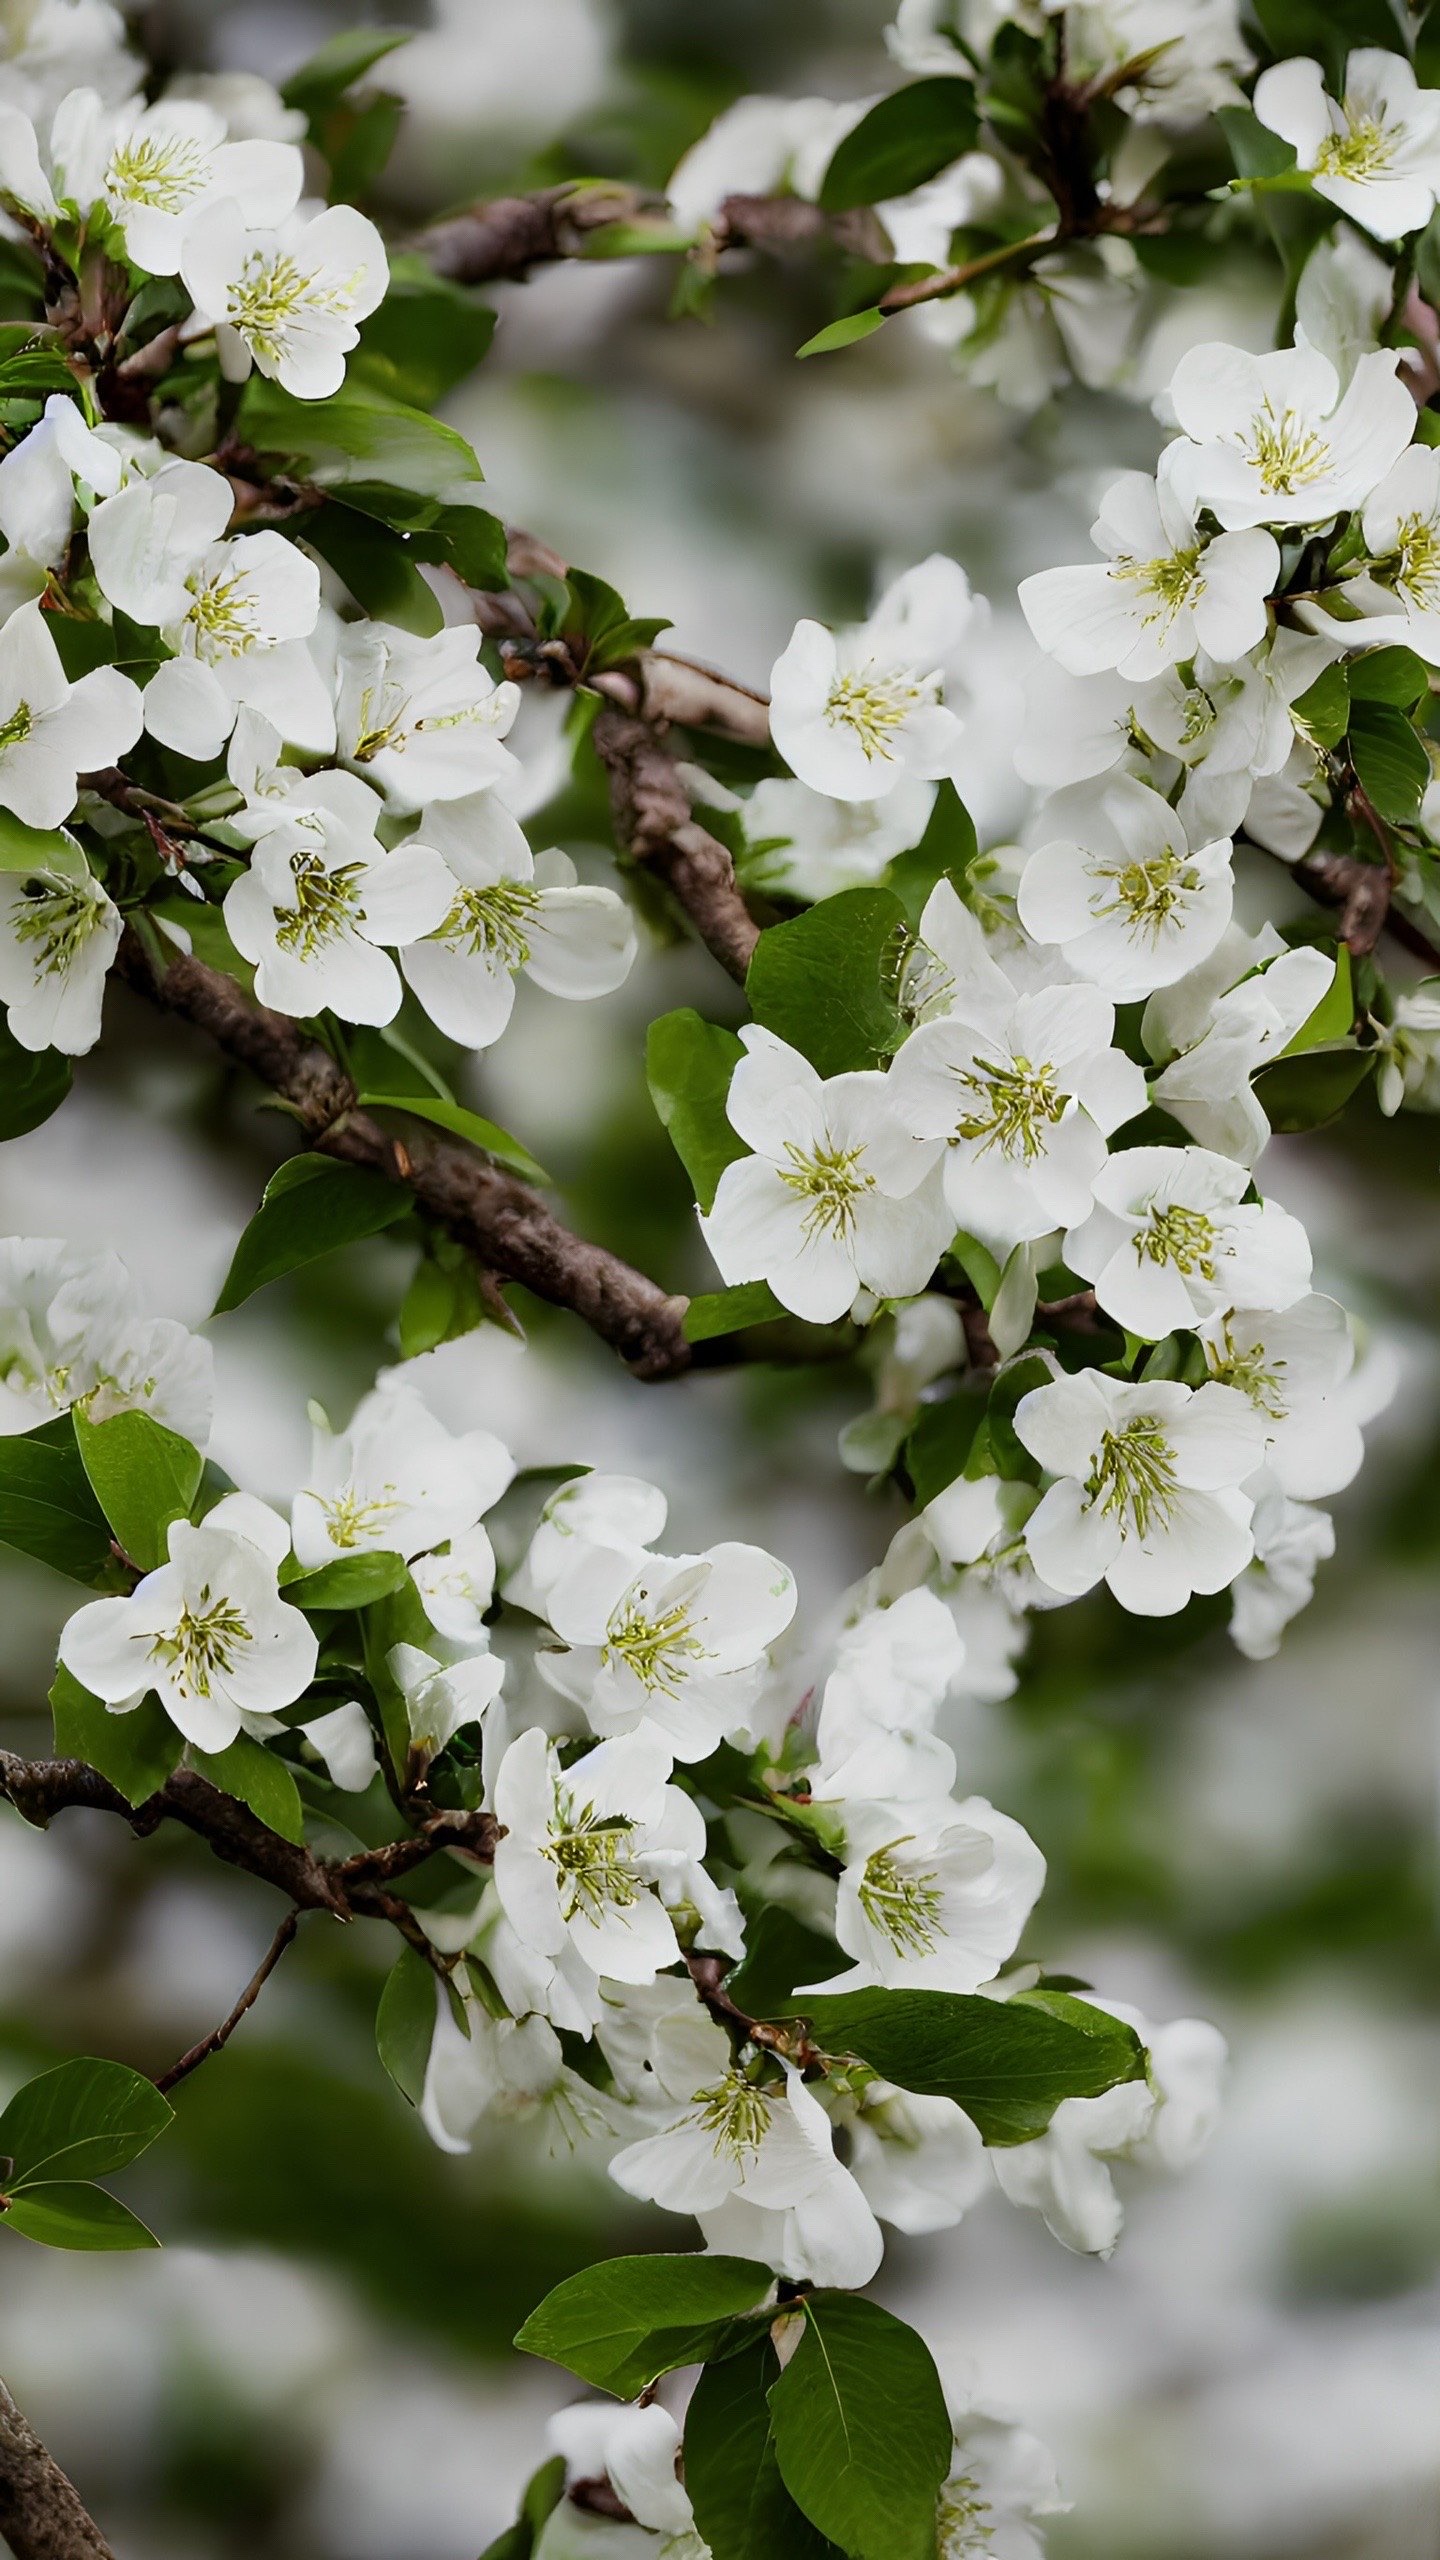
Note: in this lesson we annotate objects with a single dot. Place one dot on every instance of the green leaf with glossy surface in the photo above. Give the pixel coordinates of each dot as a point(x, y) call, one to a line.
point(144, 1477)
point(1390, 761)
point(460, 1123)
point(47, 1505)
point(720, 1311)
point(427, 335)
point(907, 138)
point(1396, 676)
point(362, 443)
point(1008, 2063)
point(84, 2119)
point(781, 1949)
point(259, 1779)
point(71, 2215)
point(828, 981)
point(862, 2435)
point(743, 2509)
point(846, 332)
point(944, 852)
point(689, 1064)
point(377, 566)
point(940, 1442)
point(625, 2322)
point(1333, 1016)
point(1305, 1093)
point(351, 1582)
point(311, 1207)
point(1324, 707)
point(137, 1750)
point(405, 2023)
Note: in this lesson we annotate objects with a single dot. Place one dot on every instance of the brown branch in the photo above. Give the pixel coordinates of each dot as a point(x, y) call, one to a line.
point(708, 1975)
point(653, 821)
point(491, 243)
point(41, 2513)
point(500, 1219)
point(220, 2036)
point(1363, 893)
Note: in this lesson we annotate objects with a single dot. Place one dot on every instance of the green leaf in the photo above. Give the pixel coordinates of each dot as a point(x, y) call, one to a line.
point(1008, 2063)
point(1014, 1381)
point(377, 450)
point(625, 2322)
point(144, 1478)
point(405, 2023)
point(743, 2510)
point(1304, 1093)
point(339, 63)
point(1255, 150)
point(1390, 761)
point(862, 2435)
point(845, 332)
point(688, 1064)
point(944, 852)
point(442, 1302)
point(780, 1950)
point(33, 1083)
point(466, 539)
point(84, 2119)
point(260, 1779)
point(137, 1750)
point(543, 2494)
point(1396, 676)
point(351, 1582)
point(1334, 1015)
point(940, 1442)
point(828, 980)
point(427, 335)
point(1325, 707)
point(1327, 29)
point(25, 848)
point(357, 141)
point(599, 618)
point(377, 566)
point(47, 1507)
point(721, 1311)
point(311, 1207)
point(460, 1123)
point(70, 2215)
point(906, 139)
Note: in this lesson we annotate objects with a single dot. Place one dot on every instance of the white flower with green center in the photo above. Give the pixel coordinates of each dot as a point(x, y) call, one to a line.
point(677, 1644)
point(288, 299)
point(808, 846)
point(854, 712)
point(1147, 1493)
point(59, 933)
point(237, 613)
point(932, 1897)
point(1119, 887)
point(1220, 1025)
point(1163, 2121)
point(1394, 595)
point(1229, 726)
point(586, 1847)
point(1024, 1091)
point(396, 1482)
point(1275, 441)
point(153, 170)
point(322, 900)
point(51, 730)
point(1172, 1239)
point(1293, 1367)
point(208, 1632)
point(837, 1197)
point(753, 2158)
point(421, 719)
point(1164, 590)
point(1001, 2479)
point(1374, 151)
point(71, 1334)
point(510, 910)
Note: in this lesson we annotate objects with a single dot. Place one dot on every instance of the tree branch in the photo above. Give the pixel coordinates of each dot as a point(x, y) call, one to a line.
point(500, 1219)
point(1363, 893)
point(220, 2036)
point(41, 2514)
point(653, 820)
point(503, 240)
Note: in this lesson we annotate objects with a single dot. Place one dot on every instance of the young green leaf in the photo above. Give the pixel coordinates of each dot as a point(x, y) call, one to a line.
point(311, 1207)
point(743, 2510)
point(909, 137)
point(345, 58)
point(828, 980)
point(378, 566)
point(1334, 1015)
point(944, 852)
point(940, 1442)
point(780, 1950)
point(625, 2322)
point(689, 1064)
point(144, 1478)
point(460, 1123)
point(845, 332)
point(427, 335)
point(862, 2434)
point(405, 2023)
point(1008, 2063)
point(722, 1311)
point(47, 1507)
point(260, 1779)
point(351, 1582)
point(136, 1751)
point(72, 2215)
point(84, 2119)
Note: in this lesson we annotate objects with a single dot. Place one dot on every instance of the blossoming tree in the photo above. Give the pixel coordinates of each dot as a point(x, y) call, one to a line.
point(993, 1123)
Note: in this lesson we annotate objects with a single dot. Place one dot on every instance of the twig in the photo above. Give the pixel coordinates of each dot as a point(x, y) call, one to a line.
point(491, 243)
point(653, 820)
point(220, 2036)
point(1363, 893)
point(708, 1975)
point(42, 2516)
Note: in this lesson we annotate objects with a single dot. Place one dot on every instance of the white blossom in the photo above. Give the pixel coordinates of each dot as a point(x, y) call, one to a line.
point(636, 2449)
point(208, 1632)
point(854, 712)
point(1374, 152)
point(578, 1859)
point(457, 1584)
point(1410, 1051)
point(1206, 1084)
point(49, 45)
point(323, 902)
point(1163, 2121)
point(837, 1196)
point(920, 225)
point(1165, 590)
point(1291, 1366)
point(59, 932)
point(395, 1482)
point(289, 298)
point(344, 1740)
point(1148, 1487)
point(1001, 2479)
point(1070, 316)
point(892, 1670)
point(919, 2162)
point(251, 107)
point(52, 730)
point(510, 910)
point(592, 1509)
point(71, 1334)
point(1292, 1541)
point(153, 170)
point(759, 146)
point(40, 478)
point(809, 846)
point(441, 1698)
point(1275, 441)
point(677, 1643)
point(1171, 1239)
point(421, 717)
point(488, 2065)
point(932, 1897)
point(1120, 886)
point(1401, 524)
point(1229, 726)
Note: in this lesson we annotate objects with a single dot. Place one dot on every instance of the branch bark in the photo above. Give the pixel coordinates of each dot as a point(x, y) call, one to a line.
point(42, 2516)
point(220, 2036)
point(503, 240)
point(498, 1218)
point(653, 819)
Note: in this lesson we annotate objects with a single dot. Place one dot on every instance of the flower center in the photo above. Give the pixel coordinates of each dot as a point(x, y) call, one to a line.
point(904, 1908)
point(1170, 582)
point(1417, 561)
point(204, 1641)
point(15, 730)
point(961, 2532)
point(1147, 894)
point(1184, 1237)
point(382, 722)
point(348, 1519)
point(1253, 1372)
point(161, 174)
point(273, 295)
point(874, 702)
point(222, 614)
point(1364, 150)
point(1134, 1476)
point(656, 1650)
point(56, 922)
point(592, 1858)
point(736, 2115)
point(1014, 1106)
point(326, 905)
point(1286, 451)
point(492, 923)
point(828, 1181)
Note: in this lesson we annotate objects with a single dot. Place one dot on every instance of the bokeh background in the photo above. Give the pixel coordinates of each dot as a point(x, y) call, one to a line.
point(318, 2363)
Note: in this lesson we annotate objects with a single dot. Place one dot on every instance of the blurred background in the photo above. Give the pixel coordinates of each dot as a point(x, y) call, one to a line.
point(319, 2363)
